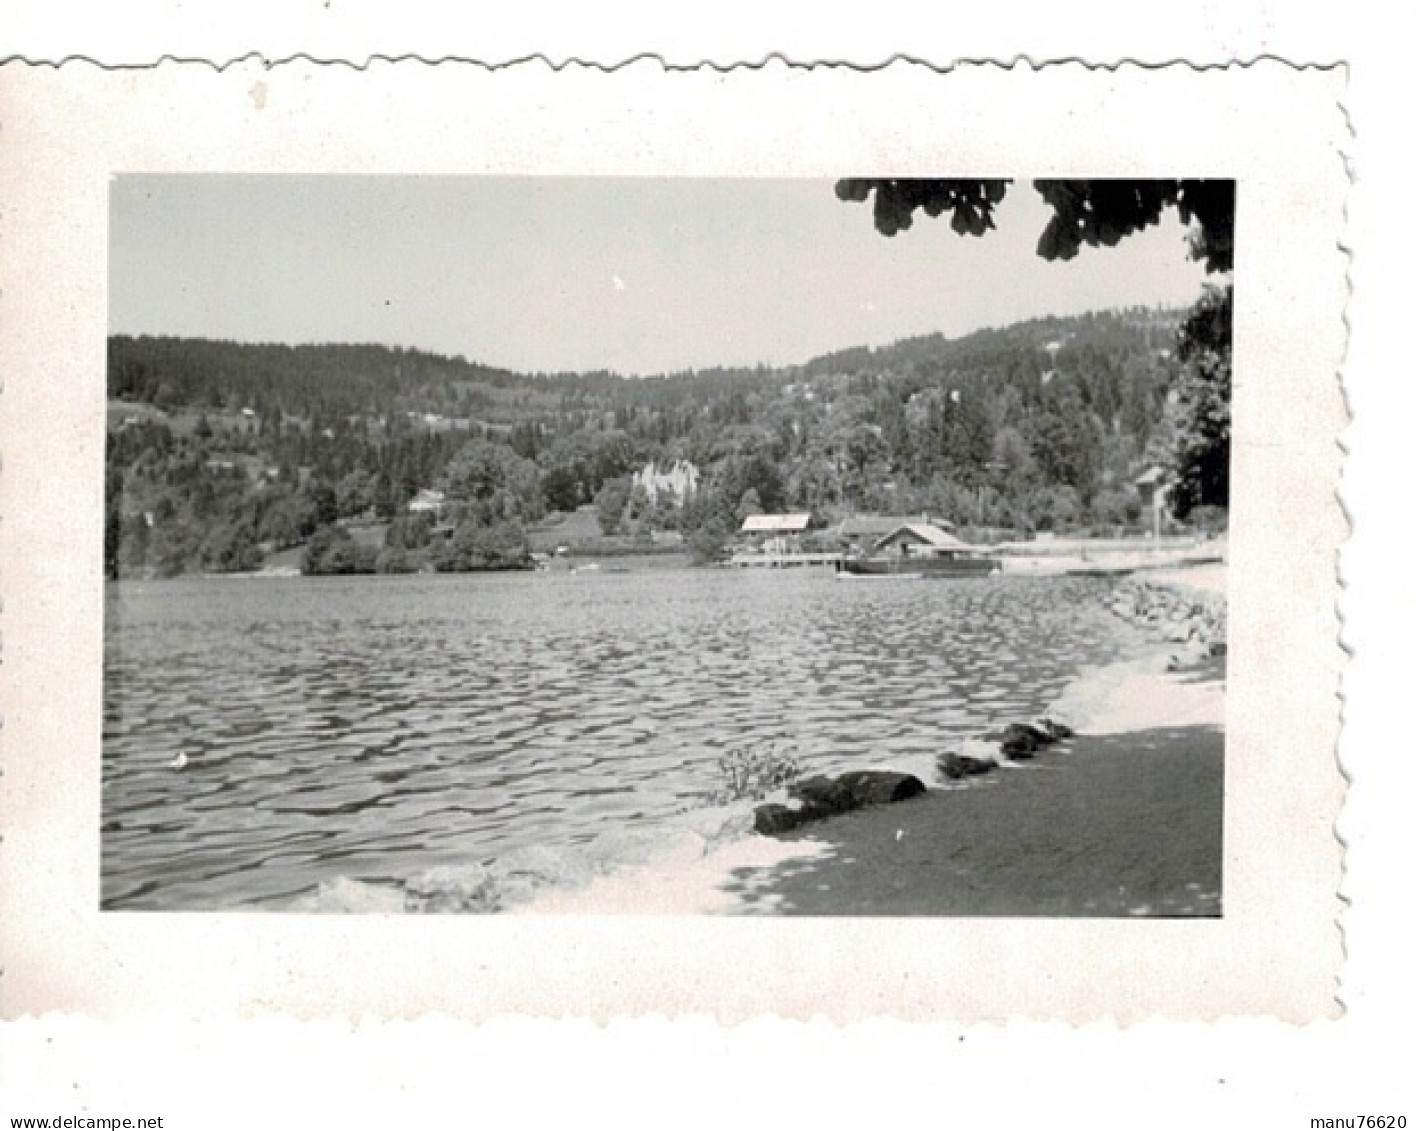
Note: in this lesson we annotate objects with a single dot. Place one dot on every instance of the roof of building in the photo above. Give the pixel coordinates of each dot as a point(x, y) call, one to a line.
point(878, 525)
point(775, 523)
point(927, 533)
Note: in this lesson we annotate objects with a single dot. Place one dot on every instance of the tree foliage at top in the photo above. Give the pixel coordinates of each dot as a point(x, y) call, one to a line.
point(1093, 213)
point(1101, 213)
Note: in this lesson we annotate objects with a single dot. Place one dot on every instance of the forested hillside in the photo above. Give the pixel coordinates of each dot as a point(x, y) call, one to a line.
point(220, 453)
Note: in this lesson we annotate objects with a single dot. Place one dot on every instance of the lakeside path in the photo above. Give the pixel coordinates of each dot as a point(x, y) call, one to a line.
point(1126, 819)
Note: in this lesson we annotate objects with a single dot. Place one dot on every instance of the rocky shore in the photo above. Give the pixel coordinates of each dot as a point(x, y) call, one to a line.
point(820, 797)
point(1190, 614)
point(1183, 609)
point(1130, 823)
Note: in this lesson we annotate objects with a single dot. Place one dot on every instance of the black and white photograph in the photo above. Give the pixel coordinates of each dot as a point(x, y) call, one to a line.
point(502, 545)
point(625, 570)
point(837, 545)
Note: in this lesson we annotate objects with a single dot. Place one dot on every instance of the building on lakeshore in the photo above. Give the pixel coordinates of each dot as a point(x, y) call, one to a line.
point(775, 533)
point(918, 539)
point(862, 532)
point(1155, 497)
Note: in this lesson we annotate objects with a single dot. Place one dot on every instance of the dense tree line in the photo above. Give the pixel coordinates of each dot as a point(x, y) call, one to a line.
point(220, 453)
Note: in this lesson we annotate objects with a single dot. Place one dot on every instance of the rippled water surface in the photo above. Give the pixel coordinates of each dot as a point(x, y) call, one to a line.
point(372, 727)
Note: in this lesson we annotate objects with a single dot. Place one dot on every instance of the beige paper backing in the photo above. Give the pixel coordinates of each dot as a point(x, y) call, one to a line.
point(1279, 131)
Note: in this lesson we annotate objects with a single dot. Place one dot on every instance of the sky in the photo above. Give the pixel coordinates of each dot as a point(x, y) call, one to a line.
point(637, 276)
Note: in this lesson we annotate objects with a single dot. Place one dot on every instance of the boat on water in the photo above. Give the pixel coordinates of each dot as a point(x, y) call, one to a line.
point(919, 550)
point(849, 575)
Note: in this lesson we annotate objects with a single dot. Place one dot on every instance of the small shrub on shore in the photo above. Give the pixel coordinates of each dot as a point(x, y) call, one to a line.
point(333, 550)
point(1209, 520)
point(750, 773)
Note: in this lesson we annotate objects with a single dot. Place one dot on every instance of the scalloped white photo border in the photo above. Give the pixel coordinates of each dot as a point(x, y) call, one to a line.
point(1280, 132)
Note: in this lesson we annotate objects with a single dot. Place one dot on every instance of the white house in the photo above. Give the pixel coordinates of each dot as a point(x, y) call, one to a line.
point(427, 502)
point(679, 481)
point(775, 523)
point(1155, 496)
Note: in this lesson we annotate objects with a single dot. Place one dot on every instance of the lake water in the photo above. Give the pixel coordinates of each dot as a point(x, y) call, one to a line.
point(373, 727)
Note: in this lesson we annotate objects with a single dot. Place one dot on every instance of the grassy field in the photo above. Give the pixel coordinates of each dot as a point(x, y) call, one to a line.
point(579, 531)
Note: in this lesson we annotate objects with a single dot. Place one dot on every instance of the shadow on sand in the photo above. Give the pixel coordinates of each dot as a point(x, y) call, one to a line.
point(1120, 825)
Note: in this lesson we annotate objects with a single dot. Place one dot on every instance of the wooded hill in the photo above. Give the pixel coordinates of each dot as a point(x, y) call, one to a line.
point(219, 451)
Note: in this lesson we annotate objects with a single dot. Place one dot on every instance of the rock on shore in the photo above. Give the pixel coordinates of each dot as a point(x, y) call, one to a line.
point(818, 797)
point(1017, 742)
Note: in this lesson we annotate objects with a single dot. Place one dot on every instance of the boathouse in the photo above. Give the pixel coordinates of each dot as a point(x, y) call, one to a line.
point(862, 532)
point(775, 533)
point(920, 539)
point(775, 540)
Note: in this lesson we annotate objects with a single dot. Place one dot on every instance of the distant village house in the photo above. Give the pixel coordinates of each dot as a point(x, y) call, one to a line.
point(678, 482)
point(427, 502)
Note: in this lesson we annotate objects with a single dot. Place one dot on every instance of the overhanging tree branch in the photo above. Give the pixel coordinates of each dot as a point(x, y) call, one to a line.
point(1096, 213)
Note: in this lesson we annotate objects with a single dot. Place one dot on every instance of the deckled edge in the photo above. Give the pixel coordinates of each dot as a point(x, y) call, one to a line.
point(1344, 246)
point(898, 60)
point(774, 58)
